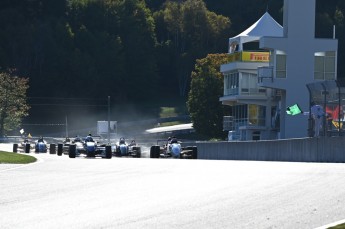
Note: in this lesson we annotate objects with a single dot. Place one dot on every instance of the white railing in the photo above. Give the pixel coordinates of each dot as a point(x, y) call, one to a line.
point(244, 91)
point(265, 73)
point(230, 91)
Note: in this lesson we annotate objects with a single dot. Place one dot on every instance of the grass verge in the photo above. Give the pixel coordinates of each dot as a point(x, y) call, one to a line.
point(15, 158)
point(341, 226)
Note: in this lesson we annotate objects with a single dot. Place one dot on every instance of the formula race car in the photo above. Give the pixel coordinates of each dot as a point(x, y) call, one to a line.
point(173, 149)
point(124, 149)
point(41, 146)
point(24, 146)
point(90, 148)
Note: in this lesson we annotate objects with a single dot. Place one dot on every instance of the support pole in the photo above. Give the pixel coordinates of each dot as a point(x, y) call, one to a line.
point(108, 119)
point(66, 127)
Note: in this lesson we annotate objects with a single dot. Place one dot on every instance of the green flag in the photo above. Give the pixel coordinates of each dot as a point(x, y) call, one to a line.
point(293, 110)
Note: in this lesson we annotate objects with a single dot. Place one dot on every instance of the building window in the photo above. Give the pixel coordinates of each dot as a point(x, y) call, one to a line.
point(249, 83)
point(247, 115)
point(240, 116)
point(324, 65)
point(257, 115)
point(280, 64)
point(231, 83)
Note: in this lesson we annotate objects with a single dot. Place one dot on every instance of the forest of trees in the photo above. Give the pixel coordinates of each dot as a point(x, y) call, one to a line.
point(129, 45)
point(130, 49)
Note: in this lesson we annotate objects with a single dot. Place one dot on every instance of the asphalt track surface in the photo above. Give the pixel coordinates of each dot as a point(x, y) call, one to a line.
point(59, 192)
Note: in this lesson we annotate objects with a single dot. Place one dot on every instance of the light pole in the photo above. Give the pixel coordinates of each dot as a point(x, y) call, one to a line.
point(108, 119)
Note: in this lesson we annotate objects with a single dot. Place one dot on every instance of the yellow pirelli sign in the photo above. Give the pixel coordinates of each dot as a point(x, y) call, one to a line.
point(250, 56)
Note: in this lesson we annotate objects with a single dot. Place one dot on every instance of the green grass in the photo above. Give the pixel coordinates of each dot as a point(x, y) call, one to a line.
point(14, 158)
point(163, 124)
point(168, 112)
point(340, 226)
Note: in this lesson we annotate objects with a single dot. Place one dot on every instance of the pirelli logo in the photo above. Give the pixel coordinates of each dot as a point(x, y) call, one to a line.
point(259, 57)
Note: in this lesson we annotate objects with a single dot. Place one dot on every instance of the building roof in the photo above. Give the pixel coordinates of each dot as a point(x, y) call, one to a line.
point(265, 26)
point(180, 127)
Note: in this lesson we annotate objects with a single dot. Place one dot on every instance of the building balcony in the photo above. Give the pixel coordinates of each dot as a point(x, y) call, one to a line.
point(266, 78)
point(249, 56)
point(265, 74)
point(245, 91)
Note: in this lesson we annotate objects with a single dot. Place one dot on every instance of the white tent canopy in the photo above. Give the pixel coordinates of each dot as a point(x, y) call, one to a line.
point(265, 26)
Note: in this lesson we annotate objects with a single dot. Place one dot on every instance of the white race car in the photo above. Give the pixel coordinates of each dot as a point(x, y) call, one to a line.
point(173, 149)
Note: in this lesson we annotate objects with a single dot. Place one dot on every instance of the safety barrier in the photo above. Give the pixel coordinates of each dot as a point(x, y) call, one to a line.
point(321, 149)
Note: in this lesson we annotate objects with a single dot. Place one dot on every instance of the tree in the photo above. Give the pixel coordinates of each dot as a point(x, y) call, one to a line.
point(13, 104)
point(139, 40)
point(190, 31)
point(203, 99)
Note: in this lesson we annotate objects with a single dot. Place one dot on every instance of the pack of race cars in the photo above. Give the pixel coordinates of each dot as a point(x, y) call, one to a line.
point(94, 146)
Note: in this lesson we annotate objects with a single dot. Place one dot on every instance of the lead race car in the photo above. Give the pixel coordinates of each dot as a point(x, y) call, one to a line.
point(125, 149)
point(173, 149)
point(89, 147)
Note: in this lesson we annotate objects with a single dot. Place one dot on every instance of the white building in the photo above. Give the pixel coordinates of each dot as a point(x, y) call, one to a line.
point(260, 84)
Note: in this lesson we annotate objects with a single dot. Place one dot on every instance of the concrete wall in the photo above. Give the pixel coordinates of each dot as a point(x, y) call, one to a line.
point(322, 149)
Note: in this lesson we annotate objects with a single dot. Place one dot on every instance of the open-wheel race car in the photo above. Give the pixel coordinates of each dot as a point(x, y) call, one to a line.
point(41, 146)
point(124, 149)
point(173, 149)
point(25, 146)
point(89, 147)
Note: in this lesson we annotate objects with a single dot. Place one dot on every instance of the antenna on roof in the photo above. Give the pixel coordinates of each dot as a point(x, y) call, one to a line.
point(267, 8)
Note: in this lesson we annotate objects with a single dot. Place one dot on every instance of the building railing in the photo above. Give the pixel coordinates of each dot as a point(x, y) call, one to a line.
point(231, 123)
point(231, 91)
point(244, 91)
point(265, 73)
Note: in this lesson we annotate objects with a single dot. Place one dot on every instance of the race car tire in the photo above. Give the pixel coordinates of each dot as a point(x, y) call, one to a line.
point(151, 152)
point(15, 148)
point(71, 151)
point(157, 151)
point(192, 152)
point(60, 149)
point(27, 148)
point(108, 153)
point(90, 154)
point(154, 151)
point(195, 152)
point(137, 149)
point(118, 151)
point(52, 149)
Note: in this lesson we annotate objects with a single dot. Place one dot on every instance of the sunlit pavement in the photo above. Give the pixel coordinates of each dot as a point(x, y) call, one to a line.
point(59, 192)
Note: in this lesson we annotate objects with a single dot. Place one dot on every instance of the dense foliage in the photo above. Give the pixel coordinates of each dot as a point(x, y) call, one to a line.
point(203, 100)
point(75, 48)
point(119, 47)
point(13, 105)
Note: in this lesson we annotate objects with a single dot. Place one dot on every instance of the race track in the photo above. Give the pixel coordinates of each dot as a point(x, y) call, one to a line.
point(58, 192)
